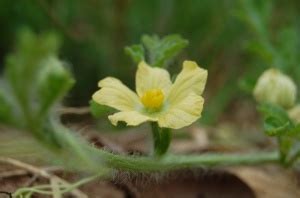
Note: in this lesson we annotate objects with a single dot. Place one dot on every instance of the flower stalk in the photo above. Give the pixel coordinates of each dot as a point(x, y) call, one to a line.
point(161, 139)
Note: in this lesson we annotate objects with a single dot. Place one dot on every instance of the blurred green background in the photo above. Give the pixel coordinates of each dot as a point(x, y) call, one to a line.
point(234, 40)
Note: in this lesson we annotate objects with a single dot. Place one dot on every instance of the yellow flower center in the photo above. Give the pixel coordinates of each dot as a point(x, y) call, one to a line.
point(153, 98)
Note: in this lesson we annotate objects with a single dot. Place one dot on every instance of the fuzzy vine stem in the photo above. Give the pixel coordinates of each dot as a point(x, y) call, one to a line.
point(173, 162)
point(169, 162)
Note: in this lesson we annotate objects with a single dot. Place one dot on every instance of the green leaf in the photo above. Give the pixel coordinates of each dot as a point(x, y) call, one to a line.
point(170, 46)
point(36, 81)
point(161, 51)
point(276, 112)
point(136, 52)
point(53, 83)
point(22, 65)
point(277, 123)
point(276, 120)
point(157, 52)
point(150, 42)
point(273, 127)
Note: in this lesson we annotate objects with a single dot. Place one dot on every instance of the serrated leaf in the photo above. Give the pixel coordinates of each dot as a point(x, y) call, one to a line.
point(274, 127)
point(136, 52)
point(35, 74)
point(161, 51)
point(36, 81)
point(150, 42)
point(276, 120)
point(54, 82)
point(276, 112)
point(30, 50)
point(23, 66)
point(169, 47)
point(277, 123)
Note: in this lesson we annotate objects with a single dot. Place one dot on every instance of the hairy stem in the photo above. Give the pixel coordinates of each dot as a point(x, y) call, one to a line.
point(169, 162)
point(173, 162)
point(99, 158)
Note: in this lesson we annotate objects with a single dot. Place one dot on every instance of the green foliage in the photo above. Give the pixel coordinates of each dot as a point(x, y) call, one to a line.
point(136, 52)
point(53, 82)
point(274, 42)
point(157, 52)
point(35, 80)
point(278, 124)
point(276, 120)
point(274, 47)
point(94, 34)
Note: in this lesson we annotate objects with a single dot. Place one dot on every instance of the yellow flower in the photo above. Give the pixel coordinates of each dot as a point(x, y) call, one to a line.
point(158, 100)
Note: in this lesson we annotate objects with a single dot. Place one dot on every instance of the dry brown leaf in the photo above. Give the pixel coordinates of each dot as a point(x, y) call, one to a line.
point(268, 182)
point(197, 141)
point(186, 184)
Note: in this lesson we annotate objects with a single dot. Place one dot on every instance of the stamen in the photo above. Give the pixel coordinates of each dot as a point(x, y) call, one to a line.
point(153, 98)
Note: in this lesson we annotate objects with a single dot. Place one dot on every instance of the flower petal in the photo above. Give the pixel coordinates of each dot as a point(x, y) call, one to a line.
point(115, 94)
point(151, 78)
point(183, 113)
point(132, 118)
point(192, 78)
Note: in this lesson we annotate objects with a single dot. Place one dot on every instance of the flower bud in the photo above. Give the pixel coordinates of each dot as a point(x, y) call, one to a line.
point(276, 88)
point(294, 113)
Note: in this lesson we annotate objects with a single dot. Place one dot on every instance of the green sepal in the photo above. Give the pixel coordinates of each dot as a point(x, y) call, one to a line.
point(98, 110)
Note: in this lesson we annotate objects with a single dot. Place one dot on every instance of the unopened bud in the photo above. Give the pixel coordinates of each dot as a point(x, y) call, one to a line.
point(276, 88)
